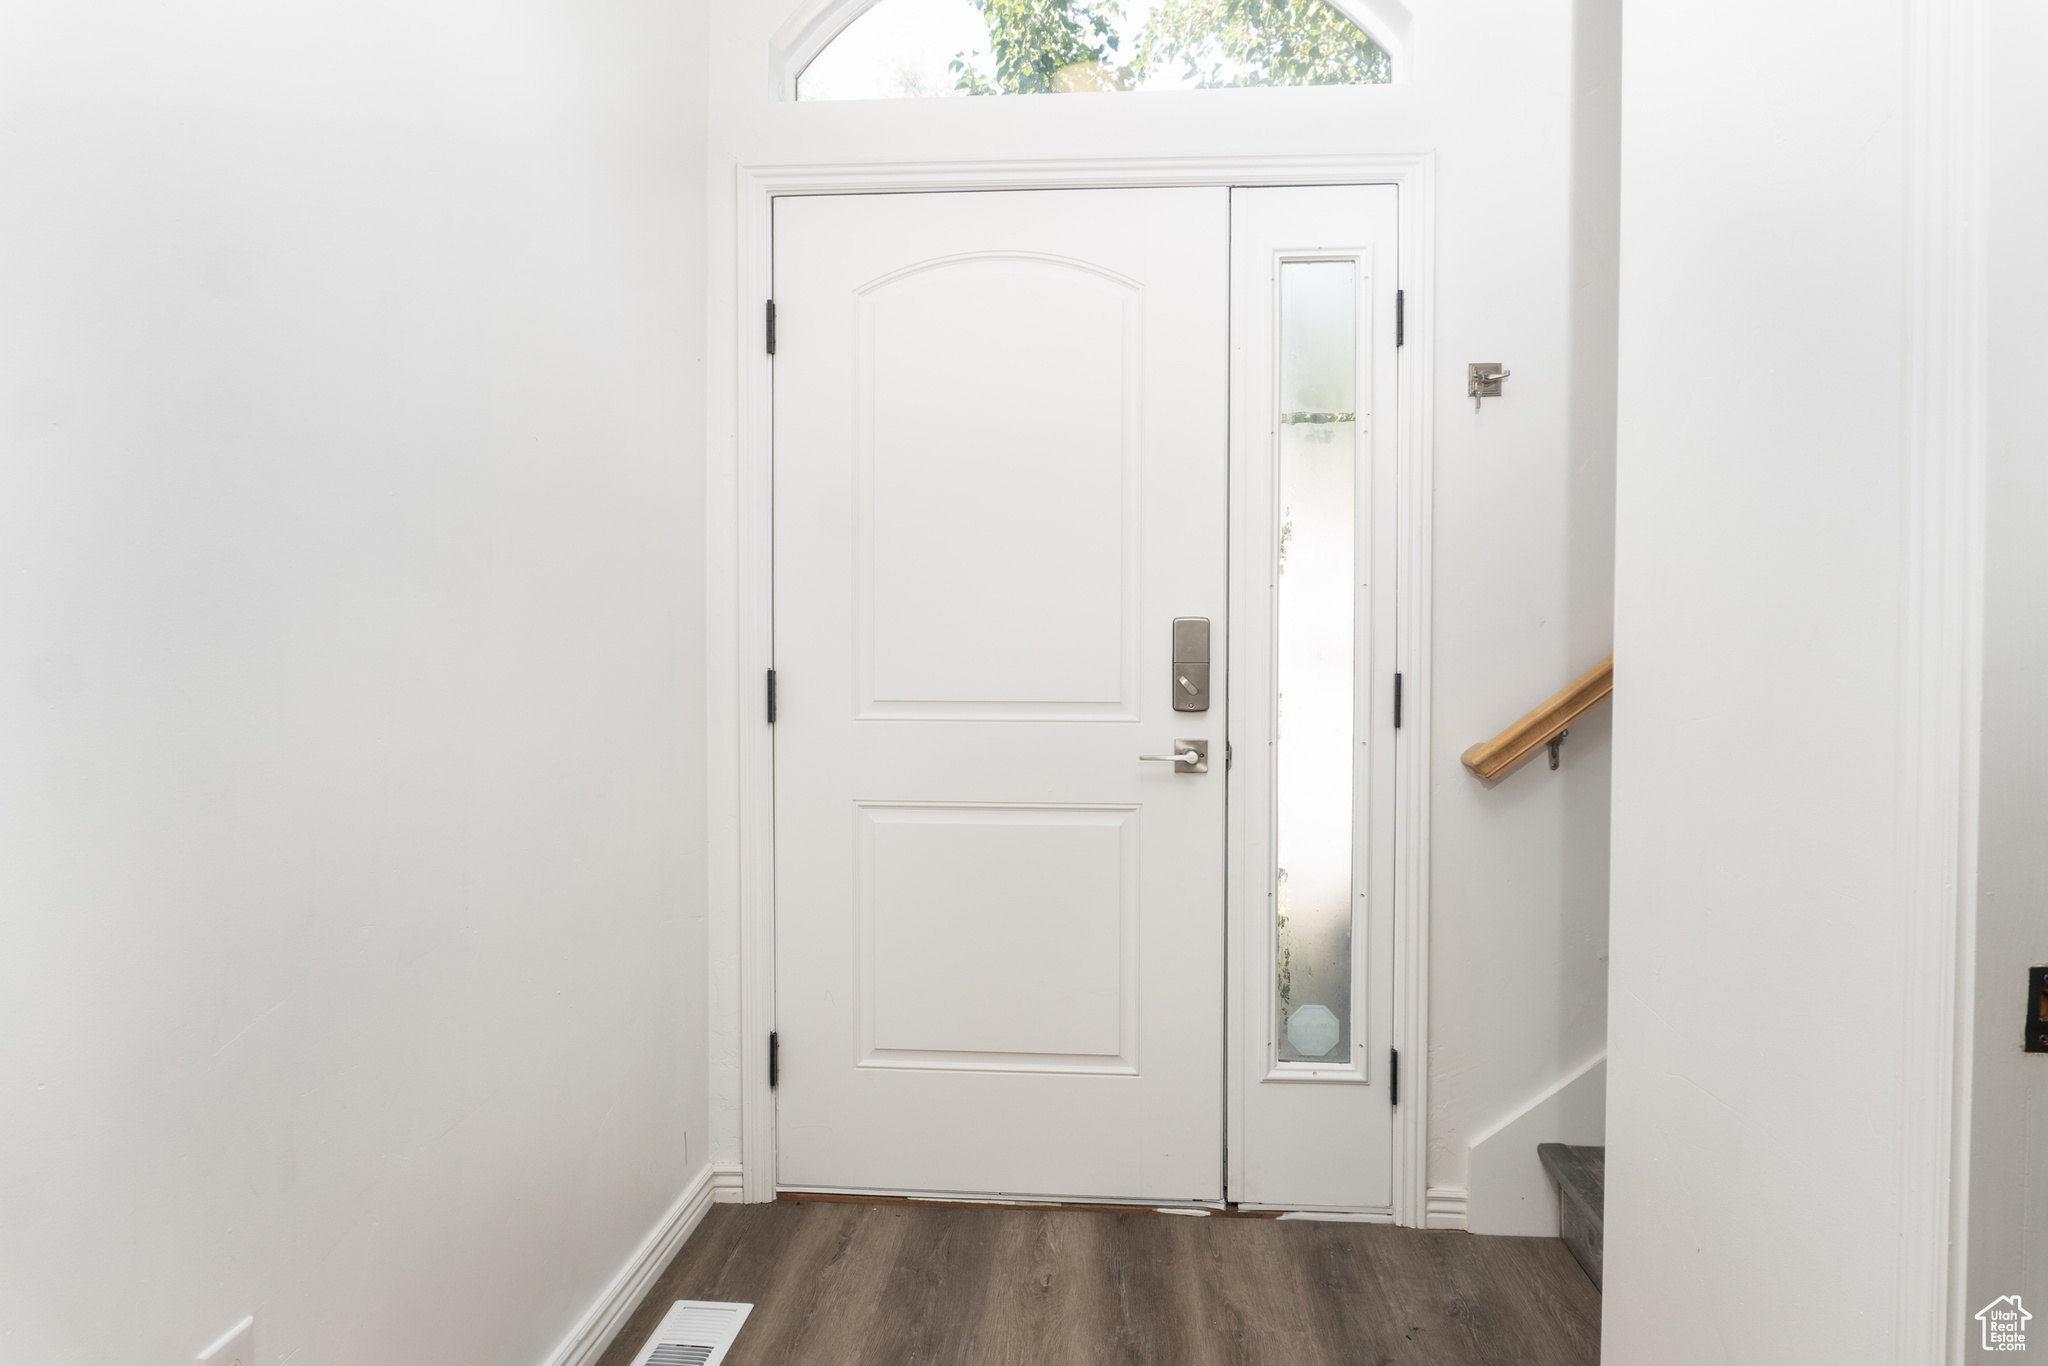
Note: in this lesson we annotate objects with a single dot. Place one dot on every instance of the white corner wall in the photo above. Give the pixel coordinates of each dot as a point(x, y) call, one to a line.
point(1792, 574)
point(1524, 605)
point(1520, 104)
point(1512, 1194)
point(2008, 1221)
point(350, 670)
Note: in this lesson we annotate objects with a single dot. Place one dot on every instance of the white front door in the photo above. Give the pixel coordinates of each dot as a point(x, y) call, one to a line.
point(1001, 475)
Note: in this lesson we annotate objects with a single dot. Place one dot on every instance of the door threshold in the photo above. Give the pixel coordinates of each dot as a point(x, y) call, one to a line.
point(939, 1201)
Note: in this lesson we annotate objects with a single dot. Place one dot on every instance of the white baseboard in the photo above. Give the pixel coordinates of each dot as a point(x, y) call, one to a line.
point(602, 1321)
point(1444, 1207)
point(728, 1183)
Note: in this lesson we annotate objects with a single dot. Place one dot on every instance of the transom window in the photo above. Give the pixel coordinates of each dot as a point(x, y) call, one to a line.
point(908, 48)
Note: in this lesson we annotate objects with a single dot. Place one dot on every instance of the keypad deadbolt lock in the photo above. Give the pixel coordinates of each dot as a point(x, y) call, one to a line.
point(1191, 664)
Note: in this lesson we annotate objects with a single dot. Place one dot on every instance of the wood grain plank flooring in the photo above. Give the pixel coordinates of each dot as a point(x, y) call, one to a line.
point(921, 1285)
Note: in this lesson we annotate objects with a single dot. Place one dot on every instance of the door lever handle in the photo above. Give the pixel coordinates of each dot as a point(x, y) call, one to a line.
point(1189, 756)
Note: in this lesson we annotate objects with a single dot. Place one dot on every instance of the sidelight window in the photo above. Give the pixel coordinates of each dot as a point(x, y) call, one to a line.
point(900, 48)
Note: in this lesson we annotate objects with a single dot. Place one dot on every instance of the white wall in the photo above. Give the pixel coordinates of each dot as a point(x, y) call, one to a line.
point(350, 670)
point(1777, 783)
point(1520, 869)
point(2008, 1225)
point(1512, 1194)
point(1518, 101)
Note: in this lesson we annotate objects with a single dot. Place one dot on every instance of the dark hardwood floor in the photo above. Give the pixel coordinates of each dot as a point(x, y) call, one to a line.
point(894, 1285)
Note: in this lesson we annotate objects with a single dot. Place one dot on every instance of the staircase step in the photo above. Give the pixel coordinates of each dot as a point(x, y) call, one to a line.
point(1581, 1176)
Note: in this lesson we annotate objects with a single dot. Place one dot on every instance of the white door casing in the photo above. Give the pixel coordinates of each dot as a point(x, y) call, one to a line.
point(1001, 474)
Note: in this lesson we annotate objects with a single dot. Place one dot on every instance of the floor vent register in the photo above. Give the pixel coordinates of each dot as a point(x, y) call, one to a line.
point(695, 1333)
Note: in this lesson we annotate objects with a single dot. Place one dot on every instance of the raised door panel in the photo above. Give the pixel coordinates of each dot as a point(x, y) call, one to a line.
point(998, 938)
point(997, 430)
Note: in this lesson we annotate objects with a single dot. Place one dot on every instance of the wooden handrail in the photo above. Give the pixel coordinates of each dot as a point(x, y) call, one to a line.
point(1491, 758)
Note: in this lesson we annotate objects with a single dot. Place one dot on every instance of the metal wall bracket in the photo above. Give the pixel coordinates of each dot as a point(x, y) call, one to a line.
point(1482, 380)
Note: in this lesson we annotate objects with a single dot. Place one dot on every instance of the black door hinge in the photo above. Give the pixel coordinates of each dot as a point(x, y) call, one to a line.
point(774, 1058)
point(1397, 701)
point(771, 697)
point(771, 327)
point(2037, 1009)
point(1400, 319)
point(1393, 1076)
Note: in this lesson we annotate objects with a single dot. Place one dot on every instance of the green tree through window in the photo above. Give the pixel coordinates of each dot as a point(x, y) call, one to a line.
point(1071, 45)
point(1025, 47)
point(1046, 46)
point(1261, 42)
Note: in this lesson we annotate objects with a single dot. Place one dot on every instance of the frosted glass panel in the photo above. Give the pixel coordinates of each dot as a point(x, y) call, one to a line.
point(1317, 604)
